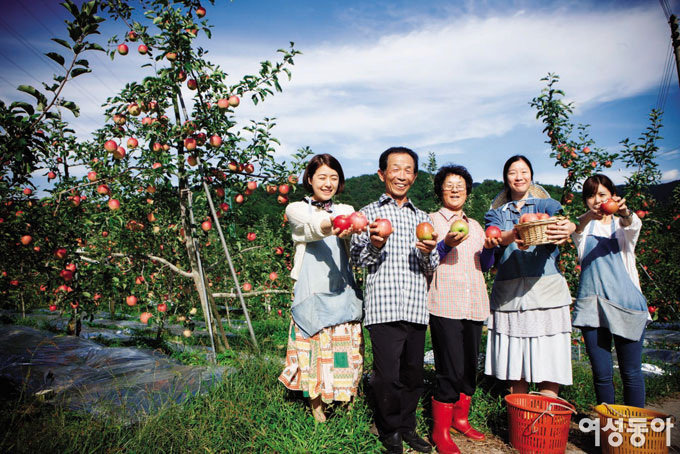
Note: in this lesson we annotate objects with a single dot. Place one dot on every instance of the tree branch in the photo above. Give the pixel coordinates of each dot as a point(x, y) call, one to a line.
point(149, 256)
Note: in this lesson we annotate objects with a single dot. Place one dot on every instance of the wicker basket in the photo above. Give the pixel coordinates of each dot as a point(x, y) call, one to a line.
point(533, 233)
point(654, 440)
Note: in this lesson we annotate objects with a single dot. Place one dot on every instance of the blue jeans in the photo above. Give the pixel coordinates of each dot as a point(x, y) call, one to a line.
point(629, 353)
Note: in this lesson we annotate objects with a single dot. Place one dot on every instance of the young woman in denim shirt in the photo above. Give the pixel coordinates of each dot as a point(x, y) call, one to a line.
point(529, 330)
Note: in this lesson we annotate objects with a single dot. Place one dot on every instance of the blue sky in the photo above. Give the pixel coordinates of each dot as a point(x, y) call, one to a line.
point(452, 77)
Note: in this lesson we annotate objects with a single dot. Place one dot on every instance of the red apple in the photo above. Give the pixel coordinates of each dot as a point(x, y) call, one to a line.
point(60, 253)
point(460, 226)
point(110, 146)
point(215, 141)
point(278, 250)
point(358, 220)
point(119, 153)
point(282, 199)
point(233, 166)
point(641, 213)
point(273, 276)
point(122, 49)
point(610, 206)
point(223, 103)
point(342, 222)
point(134, 109)
point(200, 11)
point(131, 300)
point(143, 49)
point(92, 175)
point(71, 266)
point(586, 150)
point(284, 189)
point(182, 76)
point(252, 185)
point(51, 175)
point(542, 216)
point(247, 287)
point(219, 192)
point(251, 236)
point(424, 231)
point(103, 189)
point(66, 275)
point(528, 217)
point(493, 232)
point(145, 316)
point(114, 204)
point(271, 189)
point(224, 206)
point(239, 198)
point(26, 240)
point(53, 307)
point(234, 101)
point(206, 225)
point(190, 143)
point(162, 307)
point(132, 143)
point(249, 168)
point(132, 35)
point(156, 147)
point(156, 165)
point(191, 159)
point(171, 56)
point(192, 84)
point(384, 227)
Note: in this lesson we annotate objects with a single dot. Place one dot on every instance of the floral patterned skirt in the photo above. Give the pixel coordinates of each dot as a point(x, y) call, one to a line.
point(328, 364)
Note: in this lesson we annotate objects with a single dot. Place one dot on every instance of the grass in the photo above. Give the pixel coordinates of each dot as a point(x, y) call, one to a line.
point(250, 411)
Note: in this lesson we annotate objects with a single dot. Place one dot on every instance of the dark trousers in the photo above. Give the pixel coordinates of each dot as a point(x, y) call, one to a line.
point(629, 354)
point(398, 351)
point(456, 352)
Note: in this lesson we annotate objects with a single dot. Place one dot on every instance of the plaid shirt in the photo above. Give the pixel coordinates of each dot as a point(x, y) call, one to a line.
point(458, 290)
point(396, 282)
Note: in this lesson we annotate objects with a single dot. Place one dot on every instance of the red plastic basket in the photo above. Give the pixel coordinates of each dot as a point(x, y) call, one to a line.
point(538, 424)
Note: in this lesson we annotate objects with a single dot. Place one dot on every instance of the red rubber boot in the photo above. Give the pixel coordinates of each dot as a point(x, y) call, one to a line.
point(442, 414)
point(460, 423)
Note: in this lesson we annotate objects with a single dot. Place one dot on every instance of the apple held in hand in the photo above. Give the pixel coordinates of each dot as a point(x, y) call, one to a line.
point(542, 216)
point(493, 232)
point(358, 220)
point(384, 227)
point(460, 226)
point(610, 206)
point(342, 222)
point(424, 231)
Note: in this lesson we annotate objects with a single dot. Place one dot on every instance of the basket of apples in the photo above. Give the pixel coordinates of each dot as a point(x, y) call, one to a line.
point(532, 227)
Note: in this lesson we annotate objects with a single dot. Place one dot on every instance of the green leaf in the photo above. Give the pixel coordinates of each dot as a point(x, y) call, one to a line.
point(56, 57)
point(70, 105)
point(78, 71)
point(62, 42)
point(33, 92)
point(93, 46)
point(26, 107)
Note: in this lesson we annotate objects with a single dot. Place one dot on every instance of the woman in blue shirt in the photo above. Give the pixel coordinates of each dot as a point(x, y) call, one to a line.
point(529, 330)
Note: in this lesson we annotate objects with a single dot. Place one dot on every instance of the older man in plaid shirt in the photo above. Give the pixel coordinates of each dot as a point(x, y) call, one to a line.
point(395, 300)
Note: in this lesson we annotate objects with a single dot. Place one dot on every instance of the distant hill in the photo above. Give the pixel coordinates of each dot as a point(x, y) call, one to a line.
point(364, 189)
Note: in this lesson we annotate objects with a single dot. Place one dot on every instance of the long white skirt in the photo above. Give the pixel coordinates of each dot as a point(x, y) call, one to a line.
point(534, 359)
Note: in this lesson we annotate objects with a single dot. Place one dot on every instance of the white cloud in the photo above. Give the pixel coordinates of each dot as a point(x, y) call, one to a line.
point(670, 175)
point(459, 78)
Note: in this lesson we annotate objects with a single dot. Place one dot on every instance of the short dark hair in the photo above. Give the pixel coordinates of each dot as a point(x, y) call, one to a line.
point(382, 162)
point(451, 169)
point(318, 161)
point(593, 182)
point(506, 167)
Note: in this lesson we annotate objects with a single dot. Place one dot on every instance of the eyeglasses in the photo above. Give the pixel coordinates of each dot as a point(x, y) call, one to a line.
point(457, 187)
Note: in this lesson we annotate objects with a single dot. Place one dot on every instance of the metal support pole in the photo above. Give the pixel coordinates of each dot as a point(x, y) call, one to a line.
point(231, 264)
point(208, 309)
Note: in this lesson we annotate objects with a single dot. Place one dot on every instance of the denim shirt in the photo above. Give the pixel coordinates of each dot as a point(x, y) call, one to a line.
point(526, 279)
